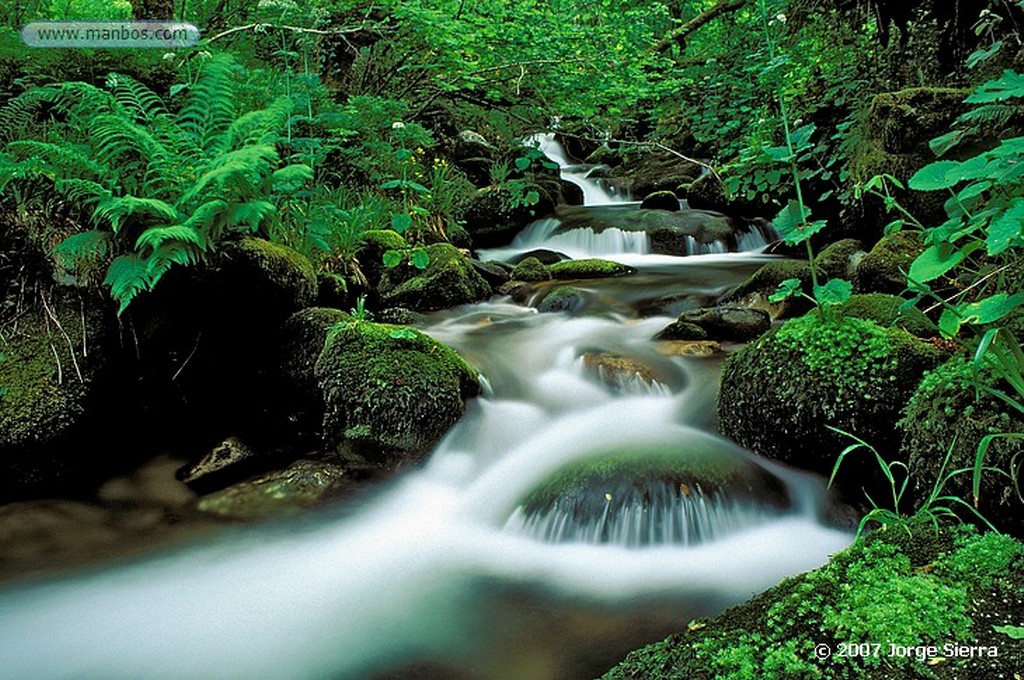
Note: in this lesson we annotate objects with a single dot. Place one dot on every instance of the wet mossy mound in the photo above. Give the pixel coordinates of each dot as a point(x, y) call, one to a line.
point(390, 393)
point(780, 394)
point(884, 268)
point(911, 591)
point(672, 494)
point(450, 279)
point(589, 268)
point(948, 416)
point(887, 311)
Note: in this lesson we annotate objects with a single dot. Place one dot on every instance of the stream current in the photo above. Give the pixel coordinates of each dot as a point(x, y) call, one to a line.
point(448, 571)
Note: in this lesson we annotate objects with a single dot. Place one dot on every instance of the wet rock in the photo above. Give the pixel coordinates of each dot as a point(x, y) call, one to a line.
point(660, 200)
point(739, 324)
point(264, 279)
point(542, 255)
point(303, 484)
point(493, 273)
point(474, 155)
point(517, 290)
point(531, 269)
point(708, 193)
point(756, 290)
point(689, 348)
point(840, 259)
point(450, 279)
point(590, 268)
point(231, 452)
point(494, 215)
point(370, 251)
point(620, 372)
point(562, 299)
point(883, 270)
point(399, 316)
point(332, 291)
point(644, 172)
point(390, 392)
point(302, 339)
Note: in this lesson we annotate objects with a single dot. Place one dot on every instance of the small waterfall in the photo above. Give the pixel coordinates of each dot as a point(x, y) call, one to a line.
point(657, 514)
point(596, 191)
point(575, 243)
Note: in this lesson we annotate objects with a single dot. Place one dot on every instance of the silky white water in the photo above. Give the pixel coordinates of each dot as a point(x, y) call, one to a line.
point(434, 567)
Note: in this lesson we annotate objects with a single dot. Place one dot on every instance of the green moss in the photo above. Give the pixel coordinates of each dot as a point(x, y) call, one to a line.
point(45, 397)
point(885, 311)
point(531, 269)
point(837, 260)
point(389, 391)
point(888, 589)
point(267, 278)
point(883, 270)
point(780, 392)
point(449, 279)
point(947, 414)
point(591, 268)
point(765, 281)
point(303, 337)
point(332, 290)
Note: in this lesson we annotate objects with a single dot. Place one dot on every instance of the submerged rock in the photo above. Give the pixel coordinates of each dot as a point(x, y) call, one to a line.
point(390, 393)
point(622, 372)
point(562, 299)
point(699, 491)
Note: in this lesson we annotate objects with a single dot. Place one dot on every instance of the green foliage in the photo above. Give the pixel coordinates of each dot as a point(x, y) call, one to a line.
point(163, 189)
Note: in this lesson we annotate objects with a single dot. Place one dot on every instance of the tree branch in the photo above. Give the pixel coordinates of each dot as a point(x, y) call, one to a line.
point(680, 34)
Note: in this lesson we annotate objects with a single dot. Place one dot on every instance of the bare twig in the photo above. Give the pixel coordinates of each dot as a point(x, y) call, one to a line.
point(965, 290)
point(67, 339)
point(187, 359)
point(655, 145)
point(259, 26)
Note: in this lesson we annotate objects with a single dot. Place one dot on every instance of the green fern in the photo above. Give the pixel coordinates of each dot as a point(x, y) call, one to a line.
point(164, 189)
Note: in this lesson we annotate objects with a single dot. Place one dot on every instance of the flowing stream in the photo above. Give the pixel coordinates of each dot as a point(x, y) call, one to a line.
point(471, 566)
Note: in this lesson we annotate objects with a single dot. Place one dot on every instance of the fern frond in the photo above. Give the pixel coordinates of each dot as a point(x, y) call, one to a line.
point(75, 101)
point(154, 237)
point(116, 209)
point(210, 107)
point(127, 276)
point(207, 221)
point(67, 160)
point(24, 171)
point(137, 101)
point(990, 114)
point(250, 214)
point(257, 127)
point(82, 190)
point(291, 177)
point(119, 140)
point(82, 248)
point(236, 173)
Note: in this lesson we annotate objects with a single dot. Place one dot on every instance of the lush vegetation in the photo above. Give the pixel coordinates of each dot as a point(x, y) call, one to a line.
point(376, 144)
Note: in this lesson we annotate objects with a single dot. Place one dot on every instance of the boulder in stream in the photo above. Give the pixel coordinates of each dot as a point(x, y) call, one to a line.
point(390, 392)
point(660, 200)
point(740, 324)
point(450, 279)
point(589, 268)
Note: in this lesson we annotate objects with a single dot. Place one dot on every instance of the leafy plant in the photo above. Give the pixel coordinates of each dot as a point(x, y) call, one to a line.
point(164, 188)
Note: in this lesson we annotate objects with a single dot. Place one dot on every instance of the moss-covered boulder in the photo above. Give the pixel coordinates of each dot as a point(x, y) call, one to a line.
point(886, 311)
point(58, 374)
point(530, 269)
point(332, 291)
point(780, 394)
point(883, 269)
point(897, 589)
point(495, 215)
point(494, 273)
point(589, 268)
point(303, 484)
point(718, 323)
point(643, 171)
point(390, 392)
point(755, 291)
point(708, 193)
point(265, 280)
point(627, 497)
point(302, 340)
point(893, 139)
point(562, 299)
point(450, 279)
point(660, 200)
point(840, 259)
point(943, 424)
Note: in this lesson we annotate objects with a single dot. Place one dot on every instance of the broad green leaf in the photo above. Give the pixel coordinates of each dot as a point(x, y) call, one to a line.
point(392, 184)
point(992, 308)
point(392, 258)
point(949, 323)
point(801, 137)
point(1008, 86)
point(401, 222)
point(420, 259)
point(532, 197)
point(417, 187)
point(778, 153)
point(940, 145)
point(155, 236)
point(522, 163)
point(1014, 632)
point(935, 176)
point(1005, 230)
point(834, 292)
point(790, 218)
point(978, 56)
point(786, 289)
point(935, 261)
